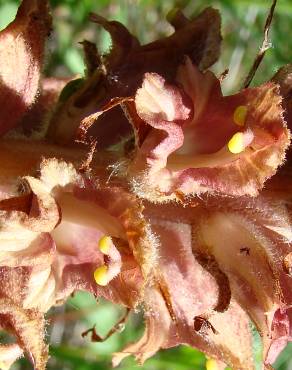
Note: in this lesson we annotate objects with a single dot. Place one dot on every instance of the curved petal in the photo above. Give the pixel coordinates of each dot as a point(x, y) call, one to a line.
point(284, 78)
point(25, 223)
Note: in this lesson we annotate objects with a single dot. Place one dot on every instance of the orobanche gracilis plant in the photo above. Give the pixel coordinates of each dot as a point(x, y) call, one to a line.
point(147, 186)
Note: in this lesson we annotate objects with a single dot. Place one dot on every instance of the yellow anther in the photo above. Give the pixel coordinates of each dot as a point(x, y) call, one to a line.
point(211, 364)
point(239, 115)
point(100, 275)
point(104, 244)
point(236, 143)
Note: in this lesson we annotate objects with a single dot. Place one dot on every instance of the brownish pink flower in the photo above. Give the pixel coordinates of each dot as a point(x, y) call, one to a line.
point(200, 141)
point(64, 230)
point(71, 233)
point(21, 60)
point(220, 266)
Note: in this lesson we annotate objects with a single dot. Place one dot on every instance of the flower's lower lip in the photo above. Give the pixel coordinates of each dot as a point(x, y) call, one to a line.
point(89, 214)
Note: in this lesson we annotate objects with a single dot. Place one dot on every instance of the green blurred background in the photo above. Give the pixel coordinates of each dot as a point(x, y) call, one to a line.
point(242, 30)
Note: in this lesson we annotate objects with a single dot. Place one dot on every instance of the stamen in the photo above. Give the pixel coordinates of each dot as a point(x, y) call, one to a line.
point(236, 143)
point(211, 364)
point(100, 275)
point(104, 244)
point(239, 115)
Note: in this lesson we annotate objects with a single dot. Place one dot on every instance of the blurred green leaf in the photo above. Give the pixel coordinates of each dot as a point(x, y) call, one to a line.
point(74, 61)
point(257, 346)
point(7, 13)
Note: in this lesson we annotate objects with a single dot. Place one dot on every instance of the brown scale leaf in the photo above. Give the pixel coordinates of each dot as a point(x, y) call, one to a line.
point(123, 71)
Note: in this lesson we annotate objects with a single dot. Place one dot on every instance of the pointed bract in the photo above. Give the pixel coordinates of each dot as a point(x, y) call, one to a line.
point(123, 70)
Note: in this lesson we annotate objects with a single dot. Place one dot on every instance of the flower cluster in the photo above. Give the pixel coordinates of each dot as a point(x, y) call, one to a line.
point(170, 207)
